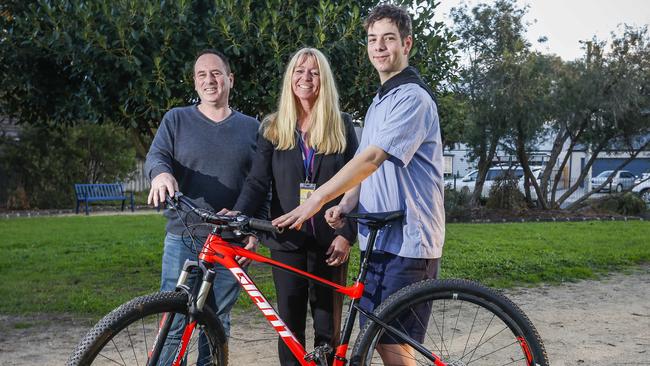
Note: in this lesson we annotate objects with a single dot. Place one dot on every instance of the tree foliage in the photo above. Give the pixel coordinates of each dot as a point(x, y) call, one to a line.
point(600, 105)
point(492, 39)
point(129, 61)
point(47, 161)
point(517, 98)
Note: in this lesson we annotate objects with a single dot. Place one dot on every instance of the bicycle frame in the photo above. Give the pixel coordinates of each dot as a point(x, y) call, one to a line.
point(217, 250)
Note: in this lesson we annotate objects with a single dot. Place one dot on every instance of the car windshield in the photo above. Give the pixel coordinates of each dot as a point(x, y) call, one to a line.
point(495, 173)
point(605, 174)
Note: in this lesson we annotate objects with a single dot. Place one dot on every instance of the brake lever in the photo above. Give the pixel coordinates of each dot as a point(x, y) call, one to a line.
point(171, 202)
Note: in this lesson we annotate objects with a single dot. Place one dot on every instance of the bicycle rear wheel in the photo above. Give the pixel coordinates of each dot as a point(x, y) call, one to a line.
point(127, 335)
point(469, 325)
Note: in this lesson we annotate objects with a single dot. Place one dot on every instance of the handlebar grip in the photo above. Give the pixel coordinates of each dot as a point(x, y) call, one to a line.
point(264, 225)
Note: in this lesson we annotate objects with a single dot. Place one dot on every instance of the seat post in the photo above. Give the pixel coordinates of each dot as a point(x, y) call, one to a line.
point(346, 332)
point(363, 267)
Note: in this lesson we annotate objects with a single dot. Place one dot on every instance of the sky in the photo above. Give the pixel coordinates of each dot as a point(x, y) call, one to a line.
point(566, 22)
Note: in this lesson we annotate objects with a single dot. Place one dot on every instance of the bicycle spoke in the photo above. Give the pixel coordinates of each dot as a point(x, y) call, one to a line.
point(110, 359)
point(455, 327)
point(469, 335)
point(135, 357)
point(442, 336)
point(497, 350)
point(410, 350)
point(194, 347)
point(118, 352)
point(144, 336)
point(466, 329)
point(442, 344)
point(128, 339)
point(490, 338)
point(480, 339)
point(435, 345)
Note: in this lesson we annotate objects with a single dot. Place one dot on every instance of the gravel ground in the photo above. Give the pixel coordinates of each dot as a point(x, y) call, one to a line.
point(604, 322)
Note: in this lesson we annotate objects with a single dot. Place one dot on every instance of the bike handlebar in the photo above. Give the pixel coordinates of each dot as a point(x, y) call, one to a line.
point(264, 225)
point(237, 222)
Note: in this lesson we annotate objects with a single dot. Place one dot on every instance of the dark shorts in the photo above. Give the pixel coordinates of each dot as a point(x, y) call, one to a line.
point(389, 273)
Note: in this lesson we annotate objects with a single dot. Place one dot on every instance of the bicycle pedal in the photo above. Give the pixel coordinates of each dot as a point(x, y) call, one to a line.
point(319, 354)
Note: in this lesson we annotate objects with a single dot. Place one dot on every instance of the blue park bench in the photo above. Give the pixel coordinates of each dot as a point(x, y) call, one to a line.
point(101, 192)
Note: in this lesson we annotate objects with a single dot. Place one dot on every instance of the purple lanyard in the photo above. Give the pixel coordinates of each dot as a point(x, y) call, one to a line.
point(307, 159)
point(308, 164)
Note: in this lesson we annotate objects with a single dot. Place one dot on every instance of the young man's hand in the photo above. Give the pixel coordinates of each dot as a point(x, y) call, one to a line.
point(334, 218)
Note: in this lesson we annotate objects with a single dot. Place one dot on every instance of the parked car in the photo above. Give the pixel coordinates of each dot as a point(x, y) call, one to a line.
point(642, 187)
point(621, 181)
point(537, 173)
point(469, 180)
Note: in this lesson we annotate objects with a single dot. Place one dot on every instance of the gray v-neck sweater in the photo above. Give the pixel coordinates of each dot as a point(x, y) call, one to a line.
point(210, 160)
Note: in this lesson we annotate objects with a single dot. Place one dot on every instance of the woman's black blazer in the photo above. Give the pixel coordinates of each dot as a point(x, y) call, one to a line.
point(283, 171)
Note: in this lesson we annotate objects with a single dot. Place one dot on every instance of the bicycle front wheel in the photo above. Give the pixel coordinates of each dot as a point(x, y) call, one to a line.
point(127, 335)
point(469, 324)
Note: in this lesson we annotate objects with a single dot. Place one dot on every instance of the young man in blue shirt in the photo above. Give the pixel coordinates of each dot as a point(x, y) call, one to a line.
point(398, 166)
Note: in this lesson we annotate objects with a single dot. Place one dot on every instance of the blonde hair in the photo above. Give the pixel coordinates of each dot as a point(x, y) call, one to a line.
point(326, 130)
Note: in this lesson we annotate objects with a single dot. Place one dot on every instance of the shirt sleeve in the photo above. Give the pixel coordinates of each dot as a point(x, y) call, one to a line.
point(349, 229)
point(160, 155)
point(405, 127)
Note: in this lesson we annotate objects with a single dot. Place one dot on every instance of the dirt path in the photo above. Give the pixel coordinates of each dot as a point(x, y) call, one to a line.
point(604, 322)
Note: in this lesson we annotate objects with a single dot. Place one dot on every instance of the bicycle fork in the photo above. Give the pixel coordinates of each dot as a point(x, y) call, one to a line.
point(193, 307)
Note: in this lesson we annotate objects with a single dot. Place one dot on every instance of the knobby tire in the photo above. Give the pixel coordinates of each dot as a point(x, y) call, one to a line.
point(469, 325)
point(126, 335)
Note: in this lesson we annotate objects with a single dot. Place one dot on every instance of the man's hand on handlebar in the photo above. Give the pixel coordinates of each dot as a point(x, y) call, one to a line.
point(164, 184)
point(227, 212)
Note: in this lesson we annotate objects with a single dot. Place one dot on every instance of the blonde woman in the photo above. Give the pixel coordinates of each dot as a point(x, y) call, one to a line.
point(301, 146)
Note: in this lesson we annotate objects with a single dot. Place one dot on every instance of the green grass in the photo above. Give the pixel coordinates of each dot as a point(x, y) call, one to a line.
point(505, 255)
point(78, 264)
point(89, 265)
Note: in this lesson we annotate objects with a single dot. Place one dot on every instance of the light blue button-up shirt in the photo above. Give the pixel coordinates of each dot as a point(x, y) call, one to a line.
point(404, 123)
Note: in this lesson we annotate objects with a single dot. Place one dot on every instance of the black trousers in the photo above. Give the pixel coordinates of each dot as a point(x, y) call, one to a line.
point(294, 293)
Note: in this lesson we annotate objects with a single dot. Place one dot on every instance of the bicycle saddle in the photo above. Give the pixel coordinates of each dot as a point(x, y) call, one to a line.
point(377, 218)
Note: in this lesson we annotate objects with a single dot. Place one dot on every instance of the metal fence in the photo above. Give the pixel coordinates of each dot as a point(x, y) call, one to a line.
point(138, 181)
point(564, 185)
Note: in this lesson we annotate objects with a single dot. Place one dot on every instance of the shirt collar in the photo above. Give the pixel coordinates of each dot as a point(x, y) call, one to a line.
point(406, 76)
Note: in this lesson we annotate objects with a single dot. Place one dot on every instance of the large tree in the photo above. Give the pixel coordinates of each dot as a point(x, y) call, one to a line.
point(529, 88)
point(599, 105)
point(129, 61)
point(492, 38)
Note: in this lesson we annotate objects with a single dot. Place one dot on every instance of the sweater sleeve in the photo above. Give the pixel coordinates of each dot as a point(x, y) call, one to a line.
point(159, 157)
point(254, 198)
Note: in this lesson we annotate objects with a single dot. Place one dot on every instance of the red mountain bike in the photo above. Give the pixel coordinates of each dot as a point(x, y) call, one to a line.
point(469, 323)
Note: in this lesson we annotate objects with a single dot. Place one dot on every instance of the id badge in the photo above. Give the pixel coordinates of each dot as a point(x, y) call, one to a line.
point(306, 189)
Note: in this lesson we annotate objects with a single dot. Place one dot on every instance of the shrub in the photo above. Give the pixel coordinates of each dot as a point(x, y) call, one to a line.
point(43, 165)
point(457, 203)
point(625, 204)
point(505, 194)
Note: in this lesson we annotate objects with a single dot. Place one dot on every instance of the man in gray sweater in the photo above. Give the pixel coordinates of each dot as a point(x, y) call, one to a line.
point(205, 151)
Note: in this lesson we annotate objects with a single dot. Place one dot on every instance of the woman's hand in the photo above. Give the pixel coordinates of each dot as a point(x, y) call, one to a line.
point(338, 252)
point(302, 213)
point(251, 244)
